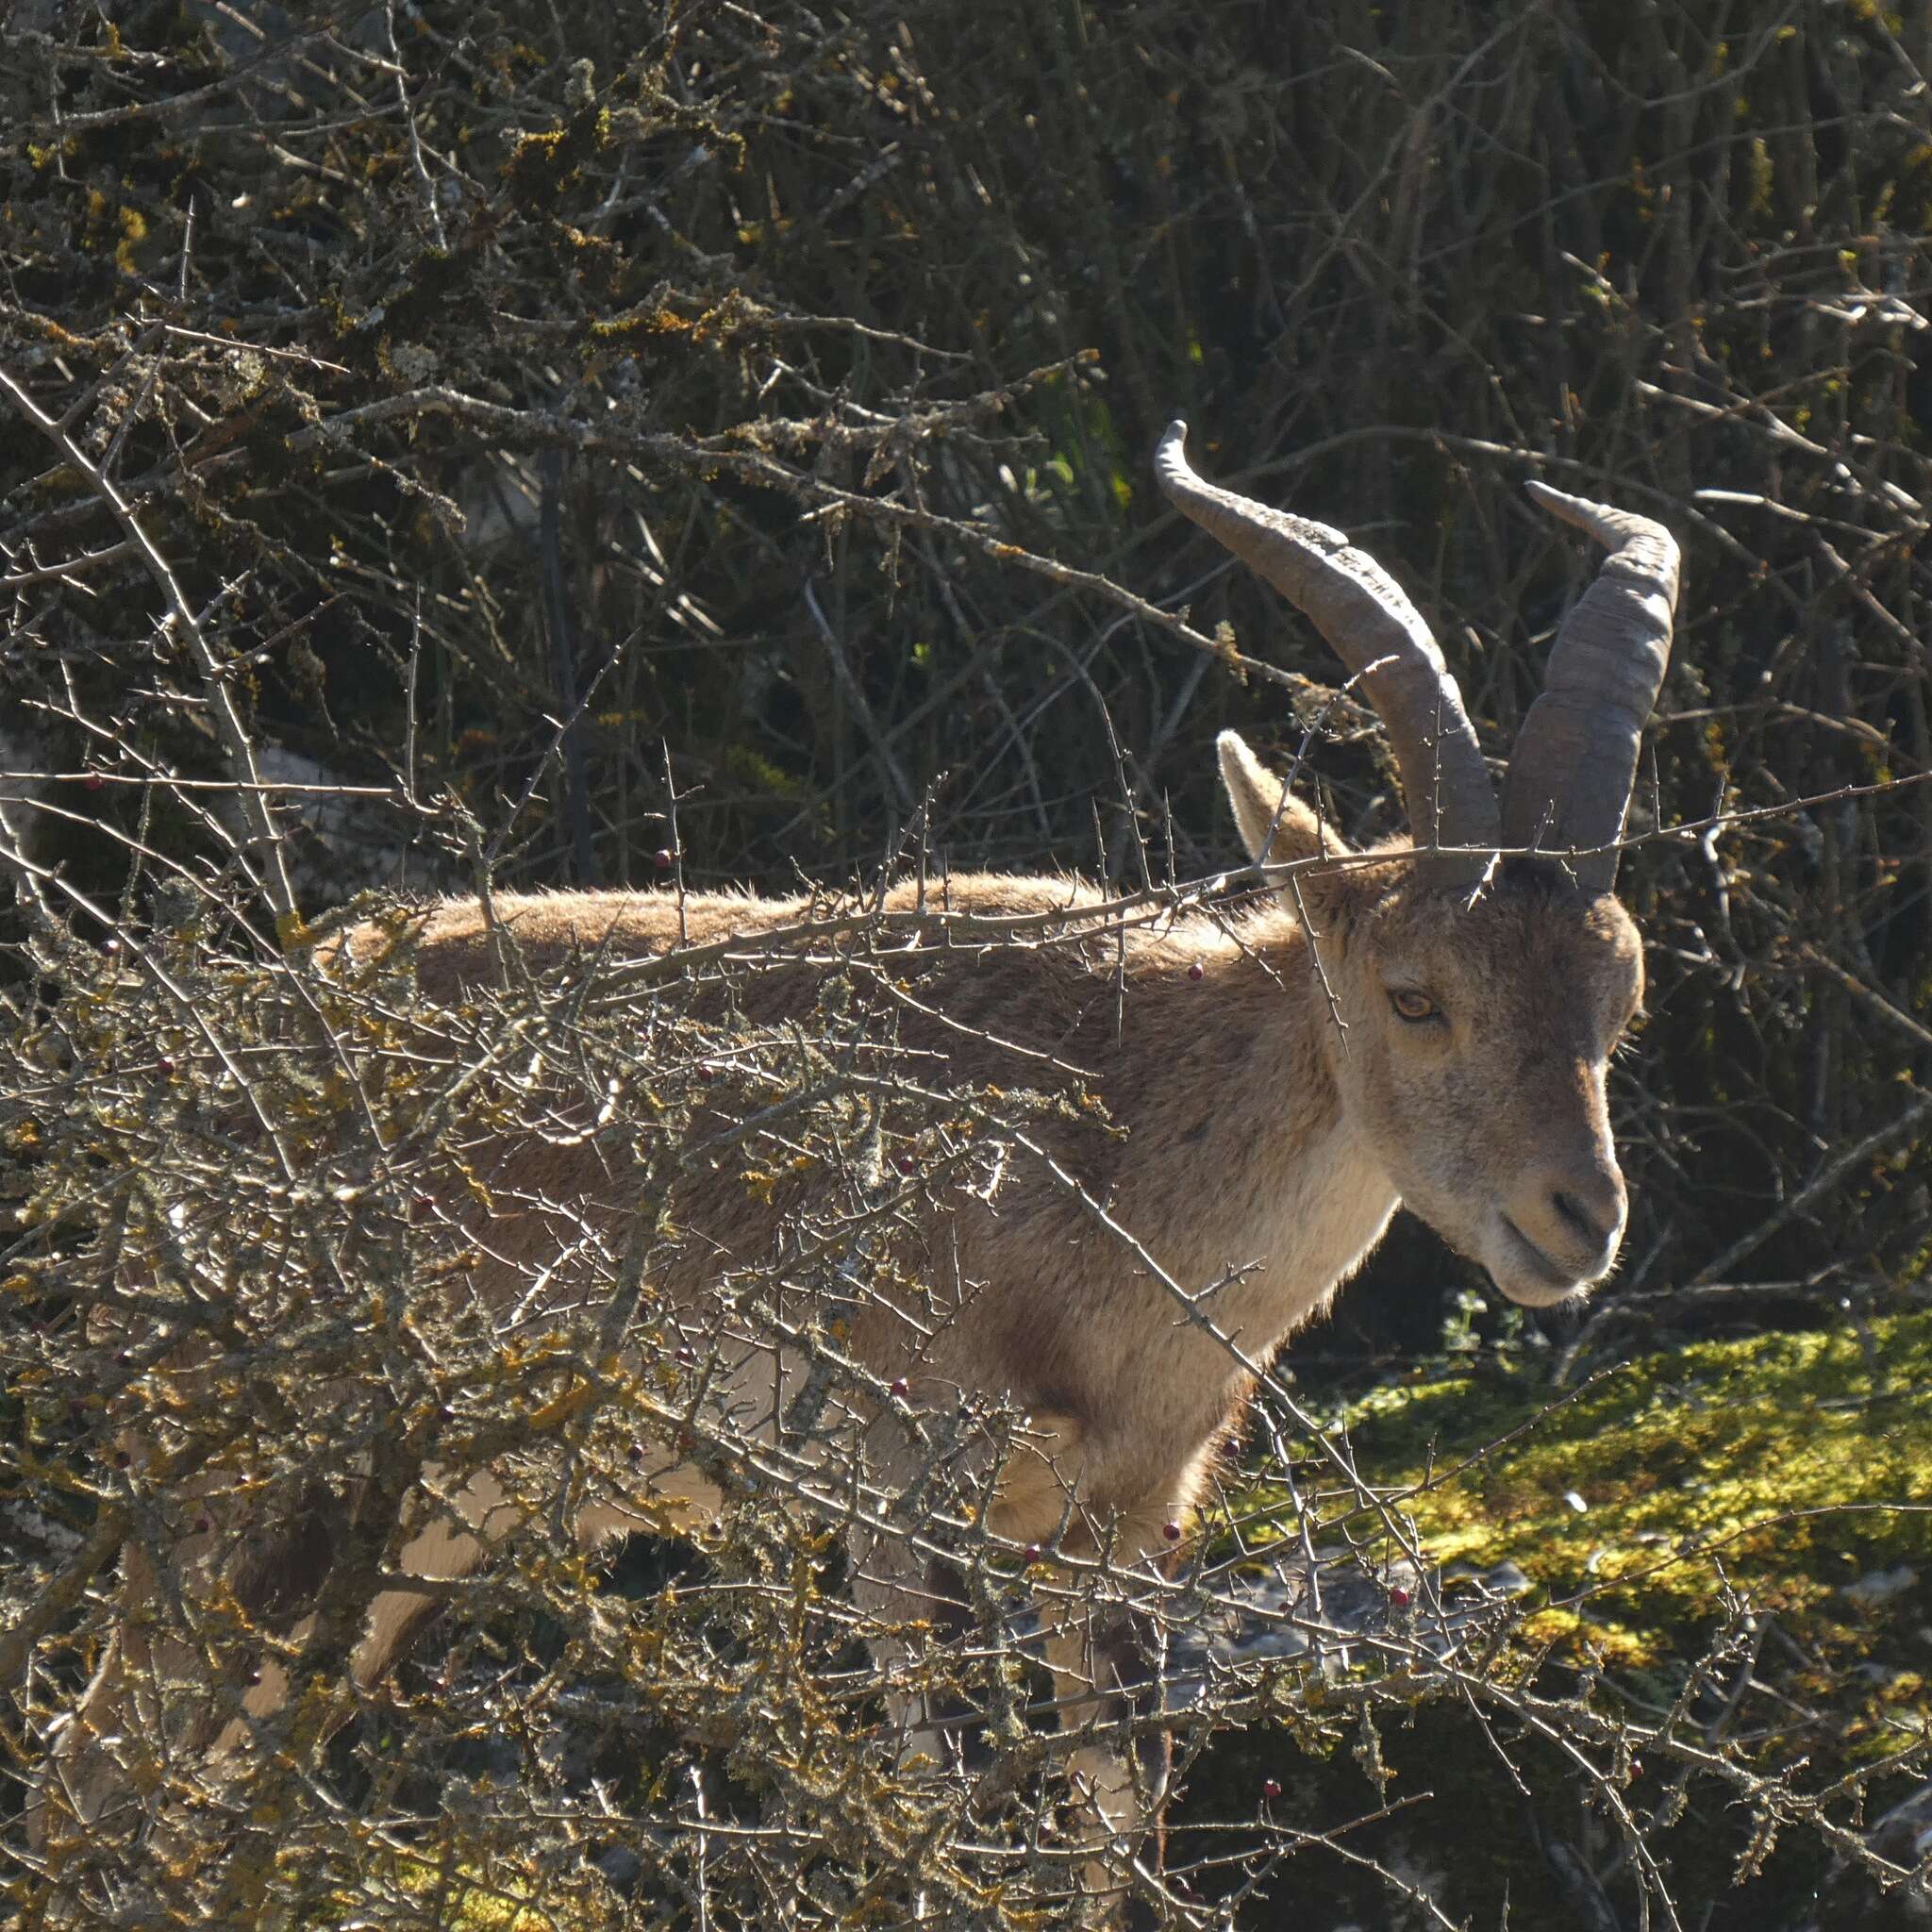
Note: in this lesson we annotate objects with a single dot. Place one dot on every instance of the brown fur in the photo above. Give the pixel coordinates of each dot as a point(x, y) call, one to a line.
point(1211, 1183)
point(1263, 1129)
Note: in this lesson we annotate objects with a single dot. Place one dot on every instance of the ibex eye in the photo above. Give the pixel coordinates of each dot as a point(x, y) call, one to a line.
point(1411, 1005)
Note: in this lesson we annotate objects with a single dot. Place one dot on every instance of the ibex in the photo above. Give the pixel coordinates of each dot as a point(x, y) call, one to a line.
point(1423, 1024)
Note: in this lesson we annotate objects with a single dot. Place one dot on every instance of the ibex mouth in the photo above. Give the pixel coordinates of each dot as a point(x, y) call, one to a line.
point(1549, 1280)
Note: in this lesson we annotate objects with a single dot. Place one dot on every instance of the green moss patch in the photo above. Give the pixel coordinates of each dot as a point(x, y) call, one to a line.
point(1793, 1470)
point(1788, 1475)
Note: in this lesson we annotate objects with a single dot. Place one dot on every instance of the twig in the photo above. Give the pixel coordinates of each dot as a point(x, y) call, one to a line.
point(1823, 1182)
point(254, 803)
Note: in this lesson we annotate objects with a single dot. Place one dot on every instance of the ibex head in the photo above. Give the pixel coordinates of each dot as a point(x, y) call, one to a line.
point(1477, 997)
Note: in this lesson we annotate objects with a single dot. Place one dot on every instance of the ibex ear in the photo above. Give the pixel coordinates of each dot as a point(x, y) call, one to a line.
point(1276, 825)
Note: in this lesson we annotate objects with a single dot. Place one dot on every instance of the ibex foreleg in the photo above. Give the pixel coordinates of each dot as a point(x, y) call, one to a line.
point(1098, 1647)
point(1102, 1654)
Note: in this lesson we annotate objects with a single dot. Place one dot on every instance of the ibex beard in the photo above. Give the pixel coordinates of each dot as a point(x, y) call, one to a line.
point(1426, 1024)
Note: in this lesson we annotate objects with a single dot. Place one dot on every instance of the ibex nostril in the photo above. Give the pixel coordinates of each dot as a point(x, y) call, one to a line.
point(1579, 1220)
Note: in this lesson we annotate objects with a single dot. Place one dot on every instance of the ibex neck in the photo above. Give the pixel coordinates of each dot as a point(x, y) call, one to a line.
point(1240, 1156)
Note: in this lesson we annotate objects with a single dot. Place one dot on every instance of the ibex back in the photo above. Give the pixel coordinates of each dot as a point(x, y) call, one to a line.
point(1424, 1024)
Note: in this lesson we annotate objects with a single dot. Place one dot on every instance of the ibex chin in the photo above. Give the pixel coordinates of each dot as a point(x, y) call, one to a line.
point(1425, 1023)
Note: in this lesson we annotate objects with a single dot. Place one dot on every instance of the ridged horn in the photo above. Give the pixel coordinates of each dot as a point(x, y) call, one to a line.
point(1576, 759)
point(1368, 621)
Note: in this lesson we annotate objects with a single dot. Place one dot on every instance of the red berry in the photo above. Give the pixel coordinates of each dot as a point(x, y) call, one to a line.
point(906, 1163)
point(202, 1525)
point(93, 781)
point(1399, 1597)
point(636, 1452)
point(167, 1065)
point(1197, 971)
point(664, 858)
point(1172, 1531)
point(687, 1354)
point(900, 1387)
point(1032, 1553)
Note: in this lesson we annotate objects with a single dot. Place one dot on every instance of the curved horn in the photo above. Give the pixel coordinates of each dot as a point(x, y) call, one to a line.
point(1374, 628)
point(1575, 758)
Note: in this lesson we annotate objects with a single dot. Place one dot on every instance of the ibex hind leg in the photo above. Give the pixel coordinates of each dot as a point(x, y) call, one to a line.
point(151, 1713)
point(468, 1524)
point(154, 1703)
point(452, 1543)
point(113, 1749)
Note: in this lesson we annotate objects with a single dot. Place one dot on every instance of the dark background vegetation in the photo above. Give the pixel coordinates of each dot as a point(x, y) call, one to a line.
point(564, 405)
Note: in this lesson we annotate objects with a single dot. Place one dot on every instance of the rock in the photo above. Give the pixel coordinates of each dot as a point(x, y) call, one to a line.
point(1879, 1586)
